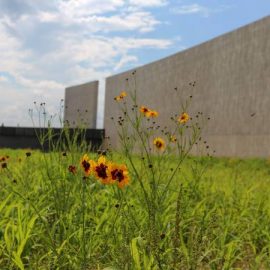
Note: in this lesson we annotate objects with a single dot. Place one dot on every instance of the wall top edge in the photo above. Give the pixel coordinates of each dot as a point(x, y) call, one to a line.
point(83, 84)
point(261, 22)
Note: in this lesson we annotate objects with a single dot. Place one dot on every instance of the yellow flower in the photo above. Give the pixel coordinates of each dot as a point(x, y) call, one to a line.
point(159, 143)
point(144, 110)
point(173, 138)
point(100, 170)
point(147, 112)
point(183, 118)
point(85, 164)
point(118, 174)
point(152, 114)
point(122, 95)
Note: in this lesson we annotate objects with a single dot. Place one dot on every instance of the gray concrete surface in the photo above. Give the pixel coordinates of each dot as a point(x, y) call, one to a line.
point(81, 105)
point(232, 74)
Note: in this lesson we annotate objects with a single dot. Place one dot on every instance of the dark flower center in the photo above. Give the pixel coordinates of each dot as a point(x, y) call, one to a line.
point(86, 165)
point(158, 144)
point(144, 110)
point(117, 175)
point(101, 171)
point(4, 165)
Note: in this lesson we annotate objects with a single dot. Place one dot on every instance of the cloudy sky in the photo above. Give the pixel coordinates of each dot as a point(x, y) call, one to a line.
point(47, 45)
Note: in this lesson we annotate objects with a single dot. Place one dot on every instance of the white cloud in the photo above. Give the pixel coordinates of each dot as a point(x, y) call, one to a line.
point(198, 9)
point(125, 59)
point(15, 102)
point(75, 9)
point(62, 43)
point(142, 21)
point(13, 56)
point(133, 43)
point(148, 3)
point(192, 9)
point(3, 79)
point(97, 52)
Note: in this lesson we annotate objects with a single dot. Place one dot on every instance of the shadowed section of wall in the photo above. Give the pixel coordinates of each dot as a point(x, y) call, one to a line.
point(20, 137)
point(81, 105)
point(232, 74)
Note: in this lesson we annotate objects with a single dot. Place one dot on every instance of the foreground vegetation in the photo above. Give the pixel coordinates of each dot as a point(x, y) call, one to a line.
point(149, 205)
point(222, 216)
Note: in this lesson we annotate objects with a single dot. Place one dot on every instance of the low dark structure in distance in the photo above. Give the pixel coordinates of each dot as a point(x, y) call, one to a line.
point(24, 137)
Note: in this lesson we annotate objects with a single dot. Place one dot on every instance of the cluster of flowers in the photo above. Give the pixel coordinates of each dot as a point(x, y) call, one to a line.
point(148, 112)
point(122, 95)
point(158, 142)
point(3, 161)
point(104, 171)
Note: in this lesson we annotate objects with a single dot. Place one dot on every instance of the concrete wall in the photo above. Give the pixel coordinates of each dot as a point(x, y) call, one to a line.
point(81, 104)
point(232, 74)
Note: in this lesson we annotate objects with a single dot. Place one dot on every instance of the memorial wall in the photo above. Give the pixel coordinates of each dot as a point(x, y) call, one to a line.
point(232, 87)
point(81, 105)
point(228, 78)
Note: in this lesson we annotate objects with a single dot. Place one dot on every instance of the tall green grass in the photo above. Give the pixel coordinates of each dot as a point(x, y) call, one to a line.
point(223, 220)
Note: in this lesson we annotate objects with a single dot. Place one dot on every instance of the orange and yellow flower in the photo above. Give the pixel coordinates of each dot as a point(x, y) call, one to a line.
point(152, 114)
point(183, 118)
point(100, 170)
point(148, 112)
point(86, 164)
point(144, 110)
point(159, 143)
point(118, 173)
point(2, 159)
point(122, 95)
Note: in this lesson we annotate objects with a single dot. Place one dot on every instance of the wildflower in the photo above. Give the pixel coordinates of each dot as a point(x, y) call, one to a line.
point(173, 139)
point(122, 95)
point(2, 159)
point(159, 143)
point(100, 170)
point(162, 236)
point(72, 169)
point(102, 152)
point(4, 165)
point(183, 118)
point(85, 164)
point(118, 174)
point(152, 113)
point(147, 112)
point(144, 110)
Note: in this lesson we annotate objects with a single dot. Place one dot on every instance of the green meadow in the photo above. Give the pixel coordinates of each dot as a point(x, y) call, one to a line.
point(144, 205)
point(214, 215)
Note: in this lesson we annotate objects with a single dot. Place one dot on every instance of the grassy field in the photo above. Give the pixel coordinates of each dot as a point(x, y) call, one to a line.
point(214, 215)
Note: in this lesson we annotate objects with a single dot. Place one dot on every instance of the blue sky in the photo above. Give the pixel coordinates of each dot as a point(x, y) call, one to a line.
point(46, 46)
